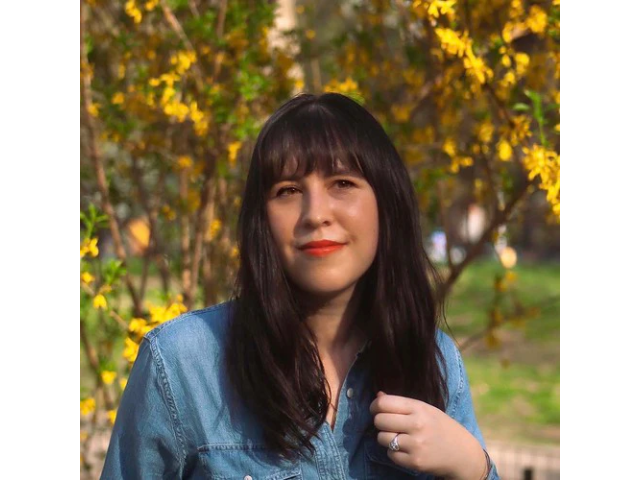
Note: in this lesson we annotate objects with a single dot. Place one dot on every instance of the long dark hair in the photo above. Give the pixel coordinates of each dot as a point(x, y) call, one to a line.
point(272, 359)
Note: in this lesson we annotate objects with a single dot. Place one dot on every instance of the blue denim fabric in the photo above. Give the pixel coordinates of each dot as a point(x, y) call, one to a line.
point(174, 419)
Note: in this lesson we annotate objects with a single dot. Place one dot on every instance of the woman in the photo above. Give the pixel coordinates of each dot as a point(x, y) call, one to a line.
point(328, 363)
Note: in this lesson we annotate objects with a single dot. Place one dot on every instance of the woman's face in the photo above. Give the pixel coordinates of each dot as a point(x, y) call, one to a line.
point(341, 208)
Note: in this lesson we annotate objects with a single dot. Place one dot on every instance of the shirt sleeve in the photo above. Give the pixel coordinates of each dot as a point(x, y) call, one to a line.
point(145, 441)
point(461, 405)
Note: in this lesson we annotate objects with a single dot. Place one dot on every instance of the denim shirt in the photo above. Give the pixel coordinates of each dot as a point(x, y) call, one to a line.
point(174, 419)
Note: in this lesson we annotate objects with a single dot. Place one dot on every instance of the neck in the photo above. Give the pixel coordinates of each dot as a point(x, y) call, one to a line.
point(333, 320)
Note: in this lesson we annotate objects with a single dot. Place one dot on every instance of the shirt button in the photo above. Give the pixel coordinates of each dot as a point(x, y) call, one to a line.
point(247, 477)
point(350, 392)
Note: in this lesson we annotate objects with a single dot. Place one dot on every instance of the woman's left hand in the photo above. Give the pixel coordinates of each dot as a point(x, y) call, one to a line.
point(430, 440)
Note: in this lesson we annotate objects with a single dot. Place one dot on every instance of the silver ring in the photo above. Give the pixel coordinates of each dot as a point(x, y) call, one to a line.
point(393, 444)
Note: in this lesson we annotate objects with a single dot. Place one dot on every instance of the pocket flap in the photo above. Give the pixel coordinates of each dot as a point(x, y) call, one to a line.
point(239, 462)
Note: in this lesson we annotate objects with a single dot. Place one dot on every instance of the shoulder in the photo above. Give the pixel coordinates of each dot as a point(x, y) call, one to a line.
point(198, 332)
point(452, 366)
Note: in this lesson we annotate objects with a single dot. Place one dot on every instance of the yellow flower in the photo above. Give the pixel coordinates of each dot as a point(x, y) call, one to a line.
point(234, 252)
point(138, 325)
point(130, 350)
point(458, 162)
point(89, 246)
point(176, 109)
point(537, 20)
point(432, 9)
point(183, 60)
point(108, 376)
point(519, 130)
point(87, 406)
point(401, 113)
point(196, 115)
point(87, 278)
point(164, 314)
point(522, 63)
point(449, 147)
point(310, 34)
point(93, 109)
point(298, 84)
point(133, 11)
point(99, 302)
point(476, 68)
point(174, 310)
point(348, 86)
point(150, 5)
point(485, 131)
point(545, 164)
point(233, 152)
point(123, 383)
point(451, 42)
point(184, 162)
point(167, 94)
point(505, 152)
point(214, 228)
point(169, 78)
point(112, 416)
point(118, 98)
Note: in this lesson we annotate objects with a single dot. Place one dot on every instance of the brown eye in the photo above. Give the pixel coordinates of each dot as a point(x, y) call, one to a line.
point(344, 184)
point(286, 191)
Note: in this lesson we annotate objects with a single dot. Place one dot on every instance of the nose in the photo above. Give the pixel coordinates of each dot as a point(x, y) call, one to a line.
point(316, 207)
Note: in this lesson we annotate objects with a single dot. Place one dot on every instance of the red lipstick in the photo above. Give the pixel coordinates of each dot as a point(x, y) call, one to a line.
point(319, 248)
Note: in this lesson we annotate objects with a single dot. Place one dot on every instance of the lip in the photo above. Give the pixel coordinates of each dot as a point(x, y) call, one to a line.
point(320, 243)
point(320, 248)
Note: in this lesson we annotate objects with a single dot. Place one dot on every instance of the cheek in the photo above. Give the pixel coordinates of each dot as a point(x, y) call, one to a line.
point(364, 224)
point(279, 227)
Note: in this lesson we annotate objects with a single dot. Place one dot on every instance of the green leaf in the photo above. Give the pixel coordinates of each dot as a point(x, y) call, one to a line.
point(521, 107)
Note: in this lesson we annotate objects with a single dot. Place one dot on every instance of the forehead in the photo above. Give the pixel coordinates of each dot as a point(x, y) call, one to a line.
point(296, 169)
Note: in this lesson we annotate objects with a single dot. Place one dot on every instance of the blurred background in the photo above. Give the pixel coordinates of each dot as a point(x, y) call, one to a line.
point(173, 94)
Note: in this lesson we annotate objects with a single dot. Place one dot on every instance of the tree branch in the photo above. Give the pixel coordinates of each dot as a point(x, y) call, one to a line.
point(99, 169)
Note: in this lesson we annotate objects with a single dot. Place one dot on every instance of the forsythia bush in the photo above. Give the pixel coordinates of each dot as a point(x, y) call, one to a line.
point(174, 91)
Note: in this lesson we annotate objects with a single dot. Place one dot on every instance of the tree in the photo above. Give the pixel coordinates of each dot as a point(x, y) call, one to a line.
point(174, 91)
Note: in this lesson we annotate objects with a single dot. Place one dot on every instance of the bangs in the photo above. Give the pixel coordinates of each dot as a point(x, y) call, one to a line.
point(308, 139)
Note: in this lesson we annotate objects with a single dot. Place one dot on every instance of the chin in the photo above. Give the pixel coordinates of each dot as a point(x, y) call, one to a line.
point(324, 288)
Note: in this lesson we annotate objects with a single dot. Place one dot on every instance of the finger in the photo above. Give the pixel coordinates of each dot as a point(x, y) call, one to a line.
point(393, 404)
point(404, 441)
point(393, 422)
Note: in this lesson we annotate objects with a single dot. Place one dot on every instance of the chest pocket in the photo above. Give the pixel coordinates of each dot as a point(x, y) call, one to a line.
point(245, 462)
point(379, 466)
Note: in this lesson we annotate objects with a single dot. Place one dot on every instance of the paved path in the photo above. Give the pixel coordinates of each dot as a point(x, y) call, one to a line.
point(513, 460)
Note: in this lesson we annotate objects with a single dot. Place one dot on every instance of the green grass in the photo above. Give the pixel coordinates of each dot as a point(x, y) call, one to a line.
point(516, 387)
point(535, 286)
